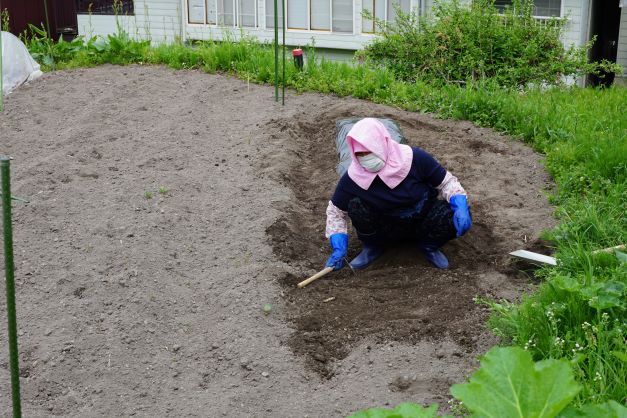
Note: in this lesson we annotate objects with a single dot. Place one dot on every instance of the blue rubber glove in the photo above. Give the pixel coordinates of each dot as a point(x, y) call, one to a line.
point(339, 243)
point(461, 214)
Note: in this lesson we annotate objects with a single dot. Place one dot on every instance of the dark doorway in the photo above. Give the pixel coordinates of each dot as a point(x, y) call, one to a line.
point(60, 19)
point(604, 24)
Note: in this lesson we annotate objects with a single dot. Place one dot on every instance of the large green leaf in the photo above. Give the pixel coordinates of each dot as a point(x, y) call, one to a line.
point(609, 409)
point(605, 295)
point(566, 283)
point(404, 410)
point(510, 385)
point(621, 355)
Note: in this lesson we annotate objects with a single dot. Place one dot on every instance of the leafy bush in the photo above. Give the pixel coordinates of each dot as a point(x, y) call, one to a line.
point(472, 41)
point(118, 48)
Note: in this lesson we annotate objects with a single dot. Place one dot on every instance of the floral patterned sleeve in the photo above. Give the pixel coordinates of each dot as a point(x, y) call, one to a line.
point(450, 187)
point(336, 220)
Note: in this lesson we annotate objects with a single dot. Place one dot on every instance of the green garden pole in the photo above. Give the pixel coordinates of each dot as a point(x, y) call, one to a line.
point(283, 88)
point(276, 51)
point(10, 284)
point(47, 20)
point(1, 86)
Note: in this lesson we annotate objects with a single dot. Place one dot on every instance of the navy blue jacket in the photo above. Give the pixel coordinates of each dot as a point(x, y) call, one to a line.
point(418, 187)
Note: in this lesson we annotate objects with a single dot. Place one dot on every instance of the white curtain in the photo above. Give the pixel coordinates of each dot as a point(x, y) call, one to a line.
point(196, 9)
point(343, 16)
point(212, 12)
point(404, 5)
point(270, 14)
point(225, 12)
point(247, 11)
point(320, 14)
point(547, 7)
point(367, 25)
point(542, 7)
point(297, 14)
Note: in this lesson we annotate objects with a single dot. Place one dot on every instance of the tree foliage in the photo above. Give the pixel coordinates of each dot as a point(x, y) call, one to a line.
point(462, 43)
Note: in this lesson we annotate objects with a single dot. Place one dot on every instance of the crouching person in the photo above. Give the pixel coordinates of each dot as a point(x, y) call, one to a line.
point(393, 192)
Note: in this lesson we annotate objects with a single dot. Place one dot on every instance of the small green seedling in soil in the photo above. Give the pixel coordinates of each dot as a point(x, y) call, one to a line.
point(148, 195)
point(163, 190)
point(267, 308)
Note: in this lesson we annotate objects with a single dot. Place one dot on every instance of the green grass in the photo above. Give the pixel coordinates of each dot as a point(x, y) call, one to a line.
point(579, 311)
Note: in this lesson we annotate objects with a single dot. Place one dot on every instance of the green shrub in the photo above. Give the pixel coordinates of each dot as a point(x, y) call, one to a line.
point(470, 42)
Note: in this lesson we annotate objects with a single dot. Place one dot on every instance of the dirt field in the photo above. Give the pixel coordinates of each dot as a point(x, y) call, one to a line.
point(153, 307)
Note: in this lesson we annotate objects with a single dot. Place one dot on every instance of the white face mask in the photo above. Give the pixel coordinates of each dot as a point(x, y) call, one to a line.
point(371, 162)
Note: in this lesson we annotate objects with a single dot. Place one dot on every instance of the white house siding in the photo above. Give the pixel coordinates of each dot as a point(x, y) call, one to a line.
point(167, 20)
point(157, 20)
point(622, 41)
point(572, 10)
point(101, 25)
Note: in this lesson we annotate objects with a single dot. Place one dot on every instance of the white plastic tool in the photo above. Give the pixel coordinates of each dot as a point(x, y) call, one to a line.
point(534, 257)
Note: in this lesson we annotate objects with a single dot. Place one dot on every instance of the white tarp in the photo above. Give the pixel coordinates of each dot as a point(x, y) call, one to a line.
point(18, 66)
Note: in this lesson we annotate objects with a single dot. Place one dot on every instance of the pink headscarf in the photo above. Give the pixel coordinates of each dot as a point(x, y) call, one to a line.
point(370, 135)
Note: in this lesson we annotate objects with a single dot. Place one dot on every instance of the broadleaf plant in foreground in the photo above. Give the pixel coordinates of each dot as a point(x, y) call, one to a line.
point(404, 410)
point(510, 385)
point(609, 409)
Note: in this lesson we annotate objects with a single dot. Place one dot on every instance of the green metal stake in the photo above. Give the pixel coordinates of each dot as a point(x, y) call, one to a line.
point(276, 51)
point(283, 87)
point(47, 20)
point(10, 284)
point(1, 86)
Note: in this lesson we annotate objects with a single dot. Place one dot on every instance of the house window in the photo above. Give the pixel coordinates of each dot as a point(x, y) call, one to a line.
point(105, 7)
point(384, 10)
point(270, 14)
point(342, 11)
point(322, 15)
point(297, 14)
point(247, 13)
point(543, 8)
point(226, 12)
point(241, 13)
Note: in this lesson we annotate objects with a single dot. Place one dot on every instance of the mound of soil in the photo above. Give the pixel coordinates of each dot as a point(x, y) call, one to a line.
point(401, 297)
point(133, 301)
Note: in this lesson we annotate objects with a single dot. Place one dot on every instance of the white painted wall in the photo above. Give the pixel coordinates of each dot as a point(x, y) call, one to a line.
point(572, 10)
point(157, 20)
point(166, 20)
point(100, 25)
point(622, 41)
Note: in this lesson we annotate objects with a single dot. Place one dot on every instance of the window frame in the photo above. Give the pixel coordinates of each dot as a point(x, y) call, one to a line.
point(236, 15)
point(540, 17)
point(330, 30)
point(386, 12)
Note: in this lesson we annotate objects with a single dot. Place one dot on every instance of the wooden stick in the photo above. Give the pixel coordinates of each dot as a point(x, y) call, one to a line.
point(315, 277)
point(610, 249)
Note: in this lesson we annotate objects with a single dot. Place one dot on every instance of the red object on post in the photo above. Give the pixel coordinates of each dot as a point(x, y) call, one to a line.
point(298, 58)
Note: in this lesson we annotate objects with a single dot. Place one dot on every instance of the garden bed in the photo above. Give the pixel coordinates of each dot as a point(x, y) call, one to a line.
point(167, 207)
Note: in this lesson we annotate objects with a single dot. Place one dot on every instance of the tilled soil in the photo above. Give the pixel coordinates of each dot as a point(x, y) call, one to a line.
point(151, 305)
